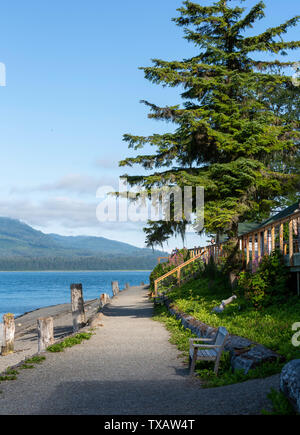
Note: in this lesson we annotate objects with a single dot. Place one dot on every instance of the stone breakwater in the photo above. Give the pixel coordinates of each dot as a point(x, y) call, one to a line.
point(245, 354)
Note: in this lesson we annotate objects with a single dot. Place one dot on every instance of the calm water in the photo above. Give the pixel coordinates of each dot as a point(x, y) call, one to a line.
point(26, 291)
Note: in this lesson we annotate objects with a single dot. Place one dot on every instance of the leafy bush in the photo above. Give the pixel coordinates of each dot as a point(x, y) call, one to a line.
point(268, 285)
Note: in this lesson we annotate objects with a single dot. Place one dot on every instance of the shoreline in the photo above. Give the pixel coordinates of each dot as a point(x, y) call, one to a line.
point(47, 307)
point(52, 306)
point(26, 343)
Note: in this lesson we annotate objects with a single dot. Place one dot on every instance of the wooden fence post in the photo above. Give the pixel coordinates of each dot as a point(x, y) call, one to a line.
point(281, 238)
point(258, 246)
point(266, 247)
point(78, 313)
point(178, 276)
point(291, 239)
point(273, 238)
point(8, 334)
point(115, 287)
point(253, 249)
point(247, 251)
point(45, 333)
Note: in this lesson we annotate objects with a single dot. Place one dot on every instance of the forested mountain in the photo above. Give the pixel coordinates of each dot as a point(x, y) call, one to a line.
point(24, 248)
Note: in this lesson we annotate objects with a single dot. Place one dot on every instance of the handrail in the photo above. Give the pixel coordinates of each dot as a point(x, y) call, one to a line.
point(177, 270)
point(262, 241)
point(264, 238)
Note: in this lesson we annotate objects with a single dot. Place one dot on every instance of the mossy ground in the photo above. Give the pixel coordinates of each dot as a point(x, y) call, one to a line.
point(69, 342)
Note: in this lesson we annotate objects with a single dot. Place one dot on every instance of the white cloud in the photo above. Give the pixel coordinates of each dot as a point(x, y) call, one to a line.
point(72, 183)
point(67, 216)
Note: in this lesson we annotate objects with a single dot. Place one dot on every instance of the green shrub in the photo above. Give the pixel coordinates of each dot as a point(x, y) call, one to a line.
point(268, 285)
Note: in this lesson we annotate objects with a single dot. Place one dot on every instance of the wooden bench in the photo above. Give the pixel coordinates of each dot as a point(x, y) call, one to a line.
point(210, 351)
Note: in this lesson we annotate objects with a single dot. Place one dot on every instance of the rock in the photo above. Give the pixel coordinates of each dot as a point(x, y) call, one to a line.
point(252, 358)
point(235, 343)
point(290, 382)
point(218, 310)
point(241, 362)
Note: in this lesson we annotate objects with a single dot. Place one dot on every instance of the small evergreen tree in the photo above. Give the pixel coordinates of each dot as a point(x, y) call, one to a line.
point(237, 131)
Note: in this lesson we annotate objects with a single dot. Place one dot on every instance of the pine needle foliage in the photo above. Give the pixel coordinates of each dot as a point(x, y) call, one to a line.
point(236, 130)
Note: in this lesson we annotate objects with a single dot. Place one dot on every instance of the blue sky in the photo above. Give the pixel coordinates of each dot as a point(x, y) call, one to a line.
point(73, 90)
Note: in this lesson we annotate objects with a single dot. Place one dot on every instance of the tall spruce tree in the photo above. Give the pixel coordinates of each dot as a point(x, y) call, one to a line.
point(237, 130)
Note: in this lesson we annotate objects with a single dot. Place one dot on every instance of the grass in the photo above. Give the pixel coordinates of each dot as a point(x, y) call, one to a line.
point(271, 327)
point(280, 404)
point(29, 363)
point(180, 337)
point(11, 374)
point(69, 342)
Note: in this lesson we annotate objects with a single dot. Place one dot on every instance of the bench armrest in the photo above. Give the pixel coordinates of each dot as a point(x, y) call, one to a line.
point(201, 339)
point(207, 346)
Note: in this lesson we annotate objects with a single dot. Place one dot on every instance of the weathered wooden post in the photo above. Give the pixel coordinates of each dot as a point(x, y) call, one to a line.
point(115, 287)
point(8, 334)
point(78, 313)
point(45, 333)
point(127, 286)
point(104, 298)
point(142, 283)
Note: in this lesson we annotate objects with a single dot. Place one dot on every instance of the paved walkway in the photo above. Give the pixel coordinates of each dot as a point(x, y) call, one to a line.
point(127, 368)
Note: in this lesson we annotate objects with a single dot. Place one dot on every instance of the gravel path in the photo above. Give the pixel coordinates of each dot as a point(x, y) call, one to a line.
point(127, 368)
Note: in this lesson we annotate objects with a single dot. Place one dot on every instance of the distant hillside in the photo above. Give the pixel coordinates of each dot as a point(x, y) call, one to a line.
point(24, 248)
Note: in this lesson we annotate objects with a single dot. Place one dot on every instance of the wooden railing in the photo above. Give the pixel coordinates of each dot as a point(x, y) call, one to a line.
point(264, 240)
point(253, 246)
point(177, 270)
